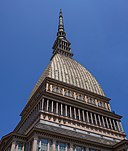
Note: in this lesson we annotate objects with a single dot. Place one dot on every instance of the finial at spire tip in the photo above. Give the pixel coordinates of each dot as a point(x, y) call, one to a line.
point(61, 13)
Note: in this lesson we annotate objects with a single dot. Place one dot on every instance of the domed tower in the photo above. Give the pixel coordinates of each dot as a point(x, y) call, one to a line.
point(67, 109)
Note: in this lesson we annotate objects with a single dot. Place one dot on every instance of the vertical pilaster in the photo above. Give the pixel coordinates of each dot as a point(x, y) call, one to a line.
point(109, 107)
point(52, 107)
point(74, 112)
point(70, 112)
point(66, 110)
point(13, 145)
point(85, 98)
point(61, 109)
point(51, 88)
point(34, 145)
point(71, 147)
point(96, 102)
point(106, 106)
point(63, 91)
point(75, 95)
point(47, 87)
point(54, 145)
point(42, 104)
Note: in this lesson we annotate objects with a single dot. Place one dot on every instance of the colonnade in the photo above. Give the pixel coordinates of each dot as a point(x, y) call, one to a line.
point(81, 115)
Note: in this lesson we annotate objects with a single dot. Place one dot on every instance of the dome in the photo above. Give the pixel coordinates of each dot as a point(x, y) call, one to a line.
point(69, 71)
point(65, 69)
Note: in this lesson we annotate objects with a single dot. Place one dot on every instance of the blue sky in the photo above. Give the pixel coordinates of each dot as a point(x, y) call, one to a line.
point(98, 31)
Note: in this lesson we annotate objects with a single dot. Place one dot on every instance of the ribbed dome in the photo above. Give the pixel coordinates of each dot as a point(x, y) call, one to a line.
point(69, 71)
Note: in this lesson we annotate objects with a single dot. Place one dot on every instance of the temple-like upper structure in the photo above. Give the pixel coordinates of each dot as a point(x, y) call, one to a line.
point(67, 110)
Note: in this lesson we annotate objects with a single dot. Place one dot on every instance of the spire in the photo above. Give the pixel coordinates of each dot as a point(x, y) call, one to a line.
point(61, 32)
point(61, 44)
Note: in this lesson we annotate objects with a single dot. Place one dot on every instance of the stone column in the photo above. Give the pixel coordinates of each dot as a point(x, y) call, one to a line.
point(87, 116)
point(110, 123)
point(47, 105)
point(107, 122)
point(91, 118)
point(70, 112)
point(61, 109)
point(66, 110)
point(52, 107)
point(103, 121)
point(121, 127)
point(99, 120)
point(118, 126)
point(13, 145)
point(95, 119)
point(79, 114)
point(114, 124)
point(34, 145)
point(74, 112)
point(54, 145)
point(83, 115)
point(56, 107)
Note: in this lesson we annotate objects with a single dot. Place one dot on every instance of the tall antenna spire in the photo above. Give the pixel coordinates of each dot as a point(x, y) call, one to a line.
point(61, 44)
point(61, 32)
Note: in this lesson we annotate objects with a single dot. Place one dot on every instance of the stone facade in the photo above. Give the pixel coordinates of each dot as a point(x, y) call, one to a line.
point(67, 110)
